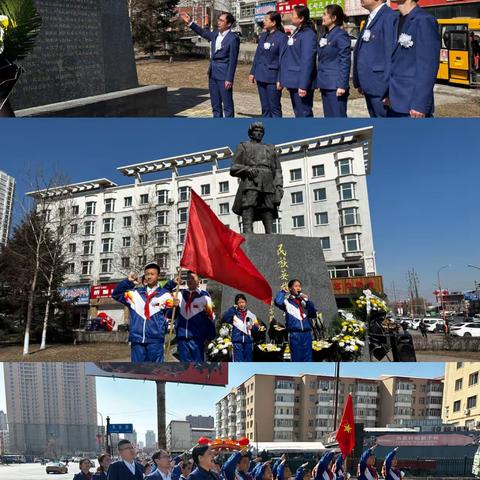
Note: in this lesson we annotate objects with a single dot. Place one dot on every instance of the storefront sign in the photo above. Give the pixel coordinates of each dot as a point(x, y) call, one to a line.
point(263, 9)
point(346, 286)
point(318, 6)
point(102, 291)
point(79, 295)
point(353, 8)
point(425, 440)
point(287, 7)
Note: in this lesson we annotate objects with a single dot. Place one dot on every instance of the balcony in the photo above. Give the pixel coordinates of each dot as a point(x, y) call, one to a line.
point(353, 255)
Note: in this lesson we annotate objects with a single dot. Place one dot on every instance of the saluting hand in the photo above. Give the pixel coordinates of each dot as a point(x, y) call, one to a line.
point(133, 277)
point(176, 302)
point(251, 79)
point(228, 85)
point(185, 17)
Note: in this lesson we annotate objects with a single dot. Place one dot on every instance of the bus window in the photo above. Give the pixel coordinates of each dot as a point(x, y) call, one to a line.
point(446, 29)
point(459, 41)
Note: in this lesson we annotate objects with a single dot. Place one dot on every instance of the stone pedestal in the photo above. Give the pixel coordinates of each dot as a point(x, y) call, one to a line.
point(305, 262)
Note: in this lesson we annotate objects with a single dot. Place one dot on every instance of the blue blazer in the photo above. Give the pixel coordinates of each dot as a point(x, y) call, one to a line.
point(119, 471)
point(80, 476)
point(202, 474)
point(334, 60)
point(372, 59)
point(266, 63)
point(414, 69)
point(223, 63)
point(100, 476)
point(298, 61)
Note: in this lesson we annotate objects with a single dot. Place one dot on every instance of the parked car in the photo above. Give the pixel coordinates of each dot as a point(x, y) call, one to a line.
point(56, 467)
point(416, 323)
point(466, 330)
point(434, 324)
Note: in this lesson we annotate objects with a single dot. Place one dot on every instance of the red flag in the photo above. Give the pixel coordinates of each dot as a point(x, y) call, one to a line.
point(346, 433)
point(213, 251)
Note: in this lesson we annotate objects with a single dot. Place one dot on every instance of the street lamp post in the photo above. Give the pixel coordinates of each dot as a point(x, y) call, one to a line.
point(101, 431)
point(442, 303)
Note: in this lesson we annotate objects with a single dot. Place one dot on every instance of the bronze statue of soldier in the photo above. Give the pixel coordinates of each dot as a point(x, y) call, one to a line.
point(260, 189)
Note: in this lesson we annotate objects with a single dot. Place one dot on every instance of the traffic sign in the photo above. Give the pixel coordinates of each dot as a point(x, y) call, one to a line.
point(120, 428)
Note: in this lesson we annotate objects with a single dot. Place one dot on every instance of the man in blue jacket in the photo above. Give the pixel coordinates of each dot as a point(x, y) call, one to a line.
point(225, 46)
point(149, 307)
point(126, 468)
point(415, 62)
point(372, 56)
point(203, 459)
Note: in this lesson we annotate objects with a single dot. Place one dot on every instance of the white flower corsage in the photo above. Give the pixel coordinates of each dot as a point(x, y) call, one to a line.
point(405, 40)
point(366, 35)
point(323, 42)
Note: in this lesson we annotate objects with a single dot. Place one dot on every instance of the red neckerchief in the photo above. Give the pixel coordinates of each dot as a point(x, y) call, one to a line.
point(330, 474)
point(299, 305)
point(189, 300)
point(243, 314)
point(373, 471)
point(147, 303)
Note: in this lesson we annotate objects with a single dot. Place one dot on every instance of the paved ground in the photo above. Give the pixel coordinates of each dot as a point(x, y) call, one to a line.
point(34, 471)
point(188, 92)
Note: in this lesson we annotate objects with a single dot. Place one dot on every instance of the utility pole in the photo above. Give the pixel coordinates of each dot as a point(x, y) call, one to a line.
point(161, 420)
point(337, 382)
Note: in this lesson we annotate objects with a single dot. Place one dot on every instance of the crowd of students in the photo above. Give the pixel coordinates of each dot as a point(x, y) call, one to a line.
point(395, 61)
point(155, 310)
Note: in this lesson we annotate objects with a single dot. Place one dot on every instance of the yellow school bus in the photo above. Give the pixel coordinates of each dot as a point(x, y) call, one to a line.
point(460, 51)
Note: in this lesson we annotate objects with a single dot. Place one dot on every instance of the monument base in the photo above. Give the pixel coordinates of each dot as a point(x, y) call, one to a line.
point(305, 262)
point(146, 101)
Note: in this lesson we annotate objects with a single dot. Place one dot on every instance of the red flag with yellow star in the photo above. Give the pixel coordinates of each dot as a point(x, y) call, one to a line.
point(346, 433)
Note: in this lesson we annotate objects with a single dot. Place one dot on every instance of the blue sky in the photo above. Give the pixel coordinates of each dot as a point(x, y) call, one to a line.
point(423, 187)
point(114, 397)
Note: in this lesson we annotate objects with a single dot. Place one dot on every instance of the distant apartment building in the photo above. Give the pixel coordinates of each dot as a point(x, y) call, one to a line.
point(200, 421)
point(7, 191)
point(150, 439)
point(461, 399)
point(268, 408)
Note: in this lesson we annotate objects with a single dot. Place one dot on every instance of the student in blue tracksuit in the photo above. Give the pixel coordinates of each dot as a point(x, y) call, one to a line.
point(205, 468)
point(334, 61)
point(195, 322)
point(366, 466)
point(244, 322)
point(390, 470)
point(372, 55)
point(325, 466)
point(263, 472)
point(266, 65)
point(299, 311)
point(225, 46)
point(302, 472)
point(339, 469)
point(298, 63)
point(149, 308)
point(415, 62)
point(236, 466)
point(283, 471)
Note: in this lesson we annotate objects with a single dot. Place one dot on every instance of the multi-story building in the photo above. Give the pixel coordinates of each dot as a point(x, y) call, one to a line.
point(50, 406)
point(404, 398)
point(131, 437)
point(200, 421)
point(7, 191)
point(198, 433)
point(150, 440)
point(117, 229)
point(3, 420)
point(461, 399)
point(204, 12)
point(303, 406)
point(179, 436)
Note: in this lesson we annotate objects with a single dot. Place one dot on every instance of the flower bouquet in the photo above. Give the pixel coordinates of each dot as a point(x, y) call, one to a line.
point(322, 350)
point(268, 352)
point(220, 349)
point(19, 27)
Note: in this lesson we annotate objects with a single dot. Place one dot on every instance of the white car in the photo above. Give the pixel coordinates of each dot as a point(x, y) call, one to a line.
point(466, 330)
point(416, 323)
point(431, 323)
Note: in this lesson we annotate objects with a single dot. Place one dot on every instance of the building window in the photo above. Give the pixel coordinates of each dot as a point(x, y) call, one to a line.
point(473, 379)
point(224, 208)
point(298, 221)
point(107, 245)
point(321, 218)
point(72, 248)
point(320, 194)
point(347, 191)
point(142, 260)
point(181, 236)
point(162, 217)
point(223, 187)
point(75, 210)
point(127, 221)
point(318, 170)
point(90, 208)
point(88, 247)
point(71, 268)
point(472, 402)
point(344, 167)
point(142, 239)
point(459, 365)
point(277, 226)
point(162, 260)
point(351, 242)
point(106, 265)
point(89, 228)
point(126, 241)
point(183, 194)
point(205, 189)
point(182, 214)
point(87, 268)
point(325, 242)
point(162, 239)
point(143, 198)
point(73, 228)
point(125, 262)
point(127, 201)
point(295, 174)
point(297, 197)
point(162, 197)
point(458, 384)
point(108, 225)
point(109, 205)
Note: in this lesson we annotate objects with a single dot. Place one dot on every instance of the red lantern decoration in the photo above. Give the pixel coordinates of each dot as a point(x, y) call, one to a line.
point(203, 441)
point(243, 442)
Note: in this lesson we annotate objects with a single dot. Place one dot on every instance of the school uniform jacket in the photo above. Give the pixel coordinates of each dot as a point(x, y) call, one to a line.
point(266, 63)
point(298, 60)
point(372, 55)
point(334, 60)
point(242, 330)
point(323, 472)
point(364, 471)
point(143, 330)
point(415, 67)
point(297, 319)
point(223, 62)
point(391, 473)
